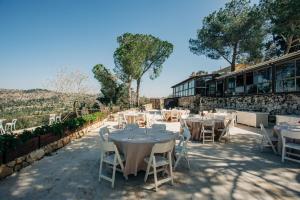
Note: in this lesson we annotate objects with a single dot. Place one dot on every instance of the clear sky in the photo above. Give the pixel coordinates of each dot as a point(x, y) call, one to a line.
point(39, 37)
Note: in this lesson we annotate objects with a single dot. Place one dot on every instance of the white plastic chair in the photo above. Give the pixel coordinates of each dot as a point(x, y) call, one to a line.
point(110, 155)
point(266, 140)
point(11, 125)
point(225, 131)
point(131, 126)
point(174, 116)
point(51, 119)
point(141, 119)
point(208, 131)
point(161, 162)
point(2, 131)
point(104, 132)
point(181, 150)
point(121, 120)
point(290, 135)
point(58, 118)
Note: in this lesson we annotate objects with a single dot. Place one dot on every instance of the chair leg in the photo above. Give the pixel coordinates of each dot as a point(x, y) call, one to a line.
point(177, 161)
point(283, 154)
point(114, 174)
point(155, 174)
point(100, 168)
point(170, 165)
point(187, 159)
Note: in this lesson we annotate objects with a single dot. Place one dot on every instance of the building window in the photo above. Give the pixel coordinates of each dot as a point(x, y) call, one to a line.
point(286, 77)
point(220, 89)
point(211, 89)
point(185, 89)
point(239, 89)
point(230, 86)
point(263, 80)
point(251, 88)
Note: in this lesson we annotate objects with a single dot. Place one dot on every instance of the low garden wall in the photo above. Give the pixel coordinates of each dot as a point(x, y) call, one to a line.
point(22, 150)
point(271, 103)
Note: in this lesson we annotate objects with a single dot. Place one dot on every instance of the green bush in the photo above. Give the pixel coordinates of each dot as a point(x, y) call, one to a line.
point(8, 141)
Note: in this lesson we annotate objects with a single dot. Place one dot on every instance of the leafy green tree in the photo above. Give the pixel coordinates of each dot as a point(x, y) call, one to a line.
point(154, 53)
point(138, 54)
point(283, 16)
point(128, 59)
point(233, 33)
point(112, 91)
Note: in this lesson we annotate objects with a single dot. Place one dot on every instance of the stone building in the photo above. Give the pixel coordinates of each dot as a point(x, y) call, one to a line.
point(272, 86)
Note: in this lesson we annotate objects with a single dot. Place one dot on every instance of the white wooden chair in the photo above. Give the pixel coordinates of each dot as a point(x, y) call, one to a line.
point(131, 126)
point(2, 131)
point(110, 155)
point(174, 116)
point(51, 119)
point(208, 131)
point(141, 119)
point(266, 140)
point(11, 125)
point(290, 135)
point(121, 120)
point(161, 162)
point(225, 131)
point(181, 150)
point(58, 118)
point(104, 132)
point(159, 127)
point(233, 117)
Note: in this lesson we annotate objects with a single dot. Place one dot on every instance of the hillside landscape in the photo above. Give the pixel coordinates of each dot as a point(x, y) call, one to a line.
point(32, 107)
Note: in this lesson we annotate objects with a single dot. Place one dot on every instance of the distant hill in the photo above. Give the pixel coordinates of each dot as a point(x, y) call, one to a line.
point(35, 105)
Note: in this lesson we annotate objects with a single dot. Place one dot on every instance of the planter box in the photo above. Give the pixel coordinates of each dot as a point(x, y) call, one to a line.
point(47, 139)
point(21, 149)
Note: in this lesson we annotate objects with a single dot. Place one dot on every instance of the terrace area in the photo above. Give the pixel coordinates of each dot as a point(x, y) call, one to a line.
point(233, 170)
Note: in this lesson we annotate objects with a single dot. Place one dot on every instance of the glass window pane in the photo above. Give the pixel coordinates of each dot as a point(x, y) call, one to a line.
point(287, 85)
point(264, 87)
point(298, 68)
point(286, 70)
point(298, 84)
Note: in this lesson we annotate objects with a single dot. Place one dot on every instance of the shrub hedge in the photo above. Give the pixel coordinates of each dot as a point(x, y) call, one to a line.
point(8, 141)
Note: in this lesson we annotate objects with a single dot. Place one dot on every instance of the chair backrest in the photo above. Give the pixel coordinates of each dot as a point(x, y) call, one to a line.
point(131, 126)
point(163, 147)
point(174, 113)
point(265, 134)
point(159, 127)
point(14, 121)
point(290, 133)
point(225, 130)
point(103, 131)
point(106, 146)
point(186, 133)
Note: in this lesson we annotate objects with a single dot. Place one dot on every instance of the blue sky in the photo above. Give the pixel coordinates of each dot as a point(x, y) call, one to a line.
point(39, 37)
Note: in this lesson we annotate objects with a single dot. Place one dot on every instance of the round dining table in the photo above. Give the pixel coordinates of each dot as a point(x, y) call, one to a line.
point(195, 127)
point(137, 144)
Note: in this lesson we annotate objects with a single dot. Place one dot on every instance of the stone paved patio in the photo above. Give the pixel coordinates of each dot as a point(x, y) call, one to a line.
point(237, 170)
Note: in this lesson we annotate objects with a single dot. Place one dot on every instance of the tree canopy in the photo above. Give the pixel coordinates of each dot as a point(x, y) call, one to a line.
point(283, 18)
point(233, 33)
point(138, 54)
point(112, 91)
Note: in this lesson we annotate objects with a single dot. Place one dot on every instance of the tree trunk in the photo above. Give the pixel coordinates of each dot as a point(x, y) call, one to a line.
point(138, 85)
point(129, 92)
point(234, 54)
point(288, 44)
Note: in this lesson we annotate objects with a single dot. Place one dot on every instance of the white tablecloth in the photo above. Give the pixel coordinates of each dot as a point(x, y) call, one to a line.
point(137, 144)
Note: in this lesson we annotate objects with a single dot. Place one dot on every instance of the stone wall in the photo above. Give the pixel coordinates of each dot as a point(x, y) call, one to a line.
point(271, 103)
point(21, 162)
